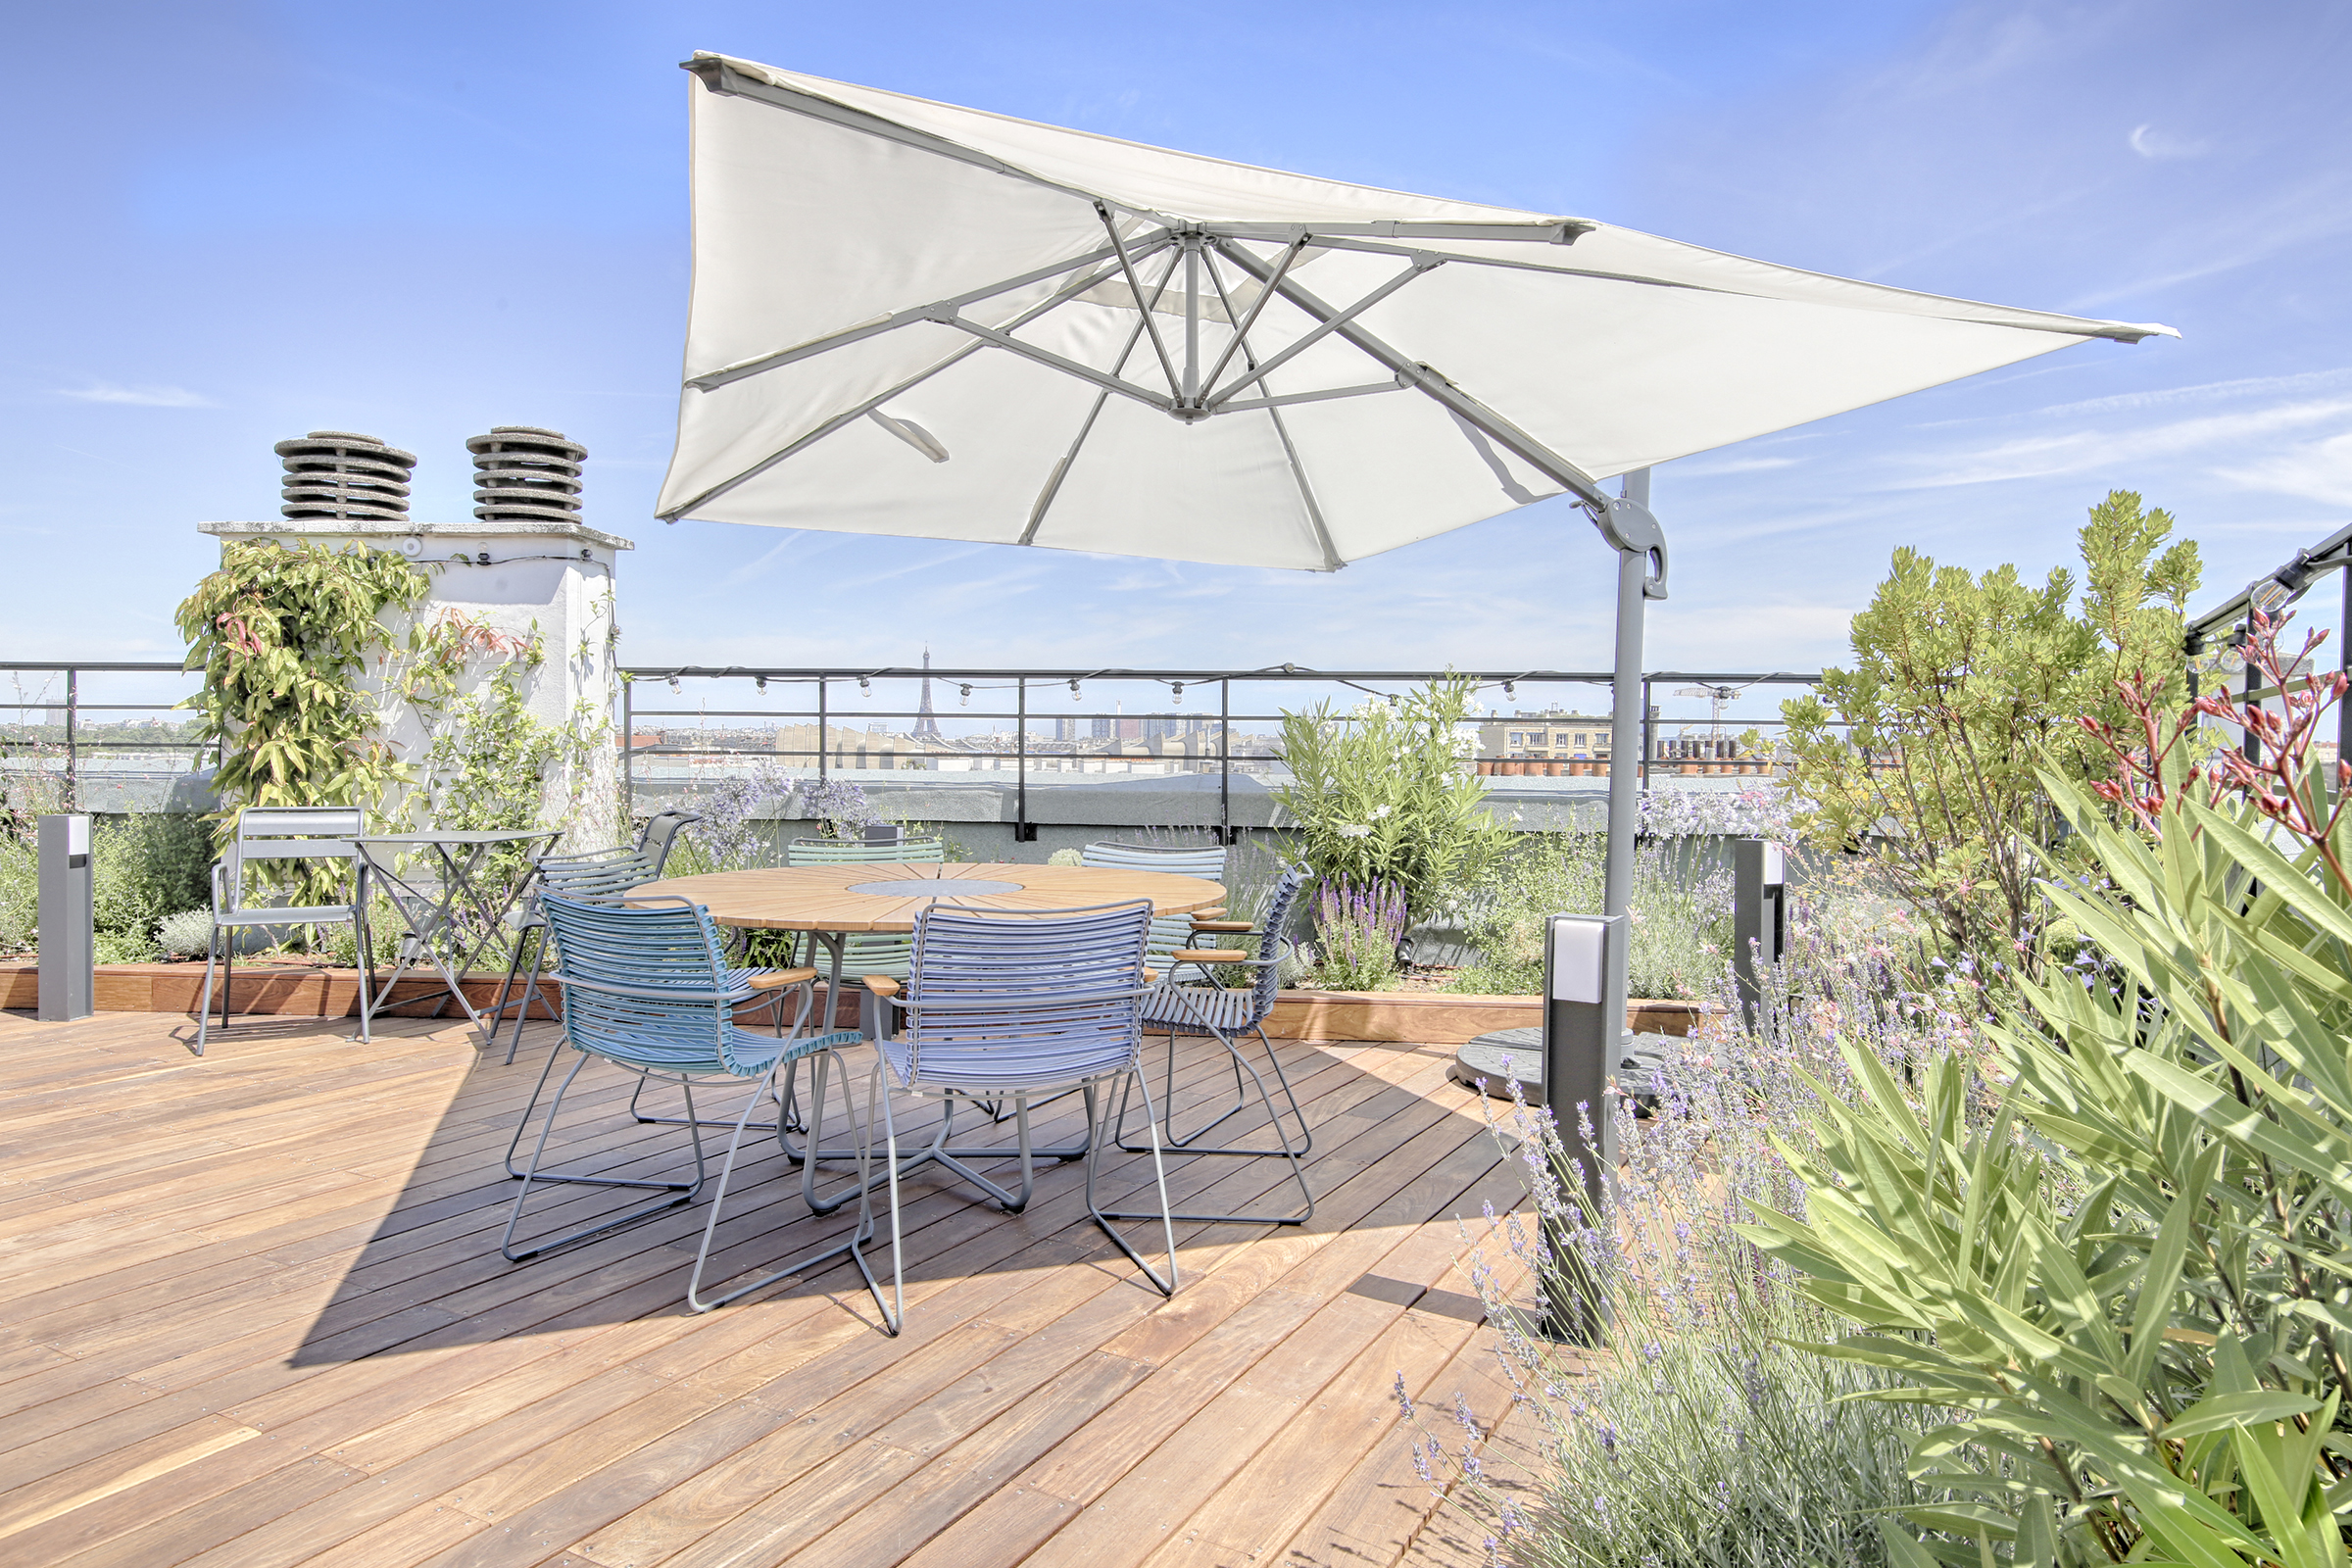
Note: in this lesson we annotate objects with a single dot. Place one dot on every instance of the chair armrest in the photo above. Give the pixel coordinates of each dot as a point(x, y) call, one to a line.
point(1242, 926)
point(1209, 955)
point(776, 980)
point(881, 985)
point(1217, 913)
point(1150, 976)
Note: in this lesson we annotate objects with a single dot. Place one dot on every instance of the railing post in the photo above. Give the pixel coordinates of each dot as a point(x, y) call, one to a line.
point(72, 758)
point(823, 734)
point(1225, 762)
point(628, 753)
point(1022, 832)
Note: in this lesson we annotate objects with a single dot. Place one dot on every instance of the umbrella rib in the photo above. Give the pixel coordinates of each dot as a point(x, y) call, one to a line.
point(1061, 470)
point(1436, 384)
point(1332, 561)
point(851, 416)
point(847, 416)
point(1326, 327)
point(1167, 365)
point(875, 327)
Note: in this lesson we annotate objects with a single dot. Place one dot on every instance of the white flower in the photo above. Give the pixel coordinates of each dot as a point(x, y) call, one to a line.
point(1352, 830)
point(1381, 812)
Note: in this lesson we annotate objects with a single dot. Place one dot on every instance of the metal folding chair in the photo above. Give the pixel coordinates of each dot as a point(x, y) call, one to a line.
point(1021, 1007)
point(284, 833)
point(1223, 1012)
point(650, 991)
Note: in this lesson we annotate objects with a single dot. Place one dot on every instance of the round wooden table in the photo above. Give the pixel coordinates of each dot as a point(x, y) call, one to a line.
point(832, 903)
point(887, 895)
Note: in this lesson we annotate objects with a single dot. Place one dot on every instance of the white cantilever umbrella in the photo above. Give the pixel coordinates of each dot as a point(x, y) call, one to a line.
point(918, 320)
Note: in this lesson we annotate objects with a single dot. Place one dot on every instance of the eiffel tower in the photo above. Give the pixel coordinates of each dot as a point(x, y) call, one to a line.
point(926, 727)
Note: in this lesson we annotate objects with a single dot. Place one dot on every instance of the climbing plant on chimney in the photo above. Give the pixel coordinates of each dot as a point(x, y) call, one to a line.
point(282, 633)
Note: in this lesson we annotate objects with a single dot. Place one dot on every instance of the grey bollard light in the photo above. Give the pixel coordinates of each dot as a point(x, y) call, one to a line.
point(1583, 1028)
point(67, 982)
point(1759, 918)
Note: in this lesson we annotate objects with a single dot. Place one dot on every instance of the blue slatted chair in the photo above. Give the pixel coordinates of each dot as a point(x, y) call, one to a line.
point(1170, 932)
point(1224, 1013)
point(284, 833)
point(1020, 1006)
point(884, 954)
point(650, 991)
point(586, 874)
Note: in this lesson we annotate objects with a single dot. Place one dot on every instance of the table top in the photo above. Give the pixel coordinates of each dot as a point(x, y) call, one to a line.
point(457, 835)
point(829, 898)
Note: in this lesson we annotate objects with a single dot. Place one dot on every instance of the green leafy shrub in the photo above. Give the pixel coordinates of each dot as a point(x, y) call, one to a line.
point(144, 867)
point(20, 892)
point(1927, 752)
point(1384, 794)
point(2135, 1287)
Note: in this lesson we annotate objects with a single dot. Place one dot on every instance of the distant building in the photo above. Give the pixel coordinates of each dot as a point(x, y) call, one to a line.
point(1548, 736)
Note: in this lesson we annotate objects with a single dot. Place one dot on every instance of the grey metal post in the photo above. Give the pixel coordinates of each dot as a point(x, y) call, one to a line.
point(822, 734)
point(628, 753)
point(1583, 1016)
point(1760, 920)
point(1225, 757)
point(67, 980)
point(73, 741)
point(2253, 683)
point(2343, 710)
point(1022, 832)
point(1629, 719)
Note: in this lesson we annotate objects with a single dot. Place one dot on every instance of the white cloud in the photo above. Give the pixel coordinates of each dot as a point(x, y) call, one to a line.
point(2080, 450)
point(145, 396)
point(2149, 142)
point(2319, 470)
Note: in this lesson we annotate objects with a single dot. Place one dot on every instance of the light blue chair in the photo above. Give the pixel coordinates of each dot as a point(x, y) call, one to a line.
point(596, 874)
point(650, 991)
point(1224, 1013)
point(1170, 932)
point(1020, 1006)
point(284, 833)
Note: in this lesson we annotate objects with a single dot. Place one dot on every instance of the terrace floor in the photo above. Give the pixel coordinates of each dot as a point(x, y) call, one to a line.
point(253, 1312)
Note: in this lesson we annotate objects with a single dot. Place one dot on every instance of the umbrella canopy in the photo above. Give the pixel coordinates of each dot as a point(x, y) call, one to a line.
point(919, 320)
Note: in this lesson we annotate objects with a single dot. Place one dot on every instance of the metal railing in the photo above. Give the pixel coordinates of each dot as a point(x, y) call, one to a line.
point(63, 696)
point(825, 696)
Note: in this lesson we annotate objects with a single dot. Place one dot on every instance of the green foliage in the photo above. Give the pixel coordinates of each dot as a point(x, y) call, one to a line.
point(2156, 1371)
point(1962, 688)
point(280, 633)
point(1381, 794)
point(1681, 922)
point(143, 867)
point(20, 891)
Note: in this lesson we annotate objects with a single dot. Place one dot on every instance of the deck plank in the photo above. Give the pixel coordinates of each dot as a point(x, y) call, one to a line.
point(255, 1315)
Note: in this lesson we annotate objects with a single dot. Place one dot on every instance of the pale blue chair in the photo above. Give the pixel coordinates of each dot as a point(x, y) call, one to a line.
point(1170, 932)
point(650, 991)
point(1225, 1013)
point(1020, 1006)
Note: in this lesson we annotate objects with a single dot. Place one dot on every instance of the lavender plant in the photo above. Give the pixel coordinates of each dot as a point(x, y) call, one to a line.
point(1357, 926)
point(730, 836)
point(1702, 1435)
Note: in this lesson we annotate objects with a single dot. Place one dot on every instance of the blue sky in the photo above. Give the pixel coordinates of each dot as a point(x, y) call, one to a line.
point(231, 223)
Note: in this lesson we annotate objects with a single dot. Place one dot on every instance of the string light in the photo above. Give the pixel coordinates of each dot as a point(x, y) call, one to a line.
point(676, 690)
point(759, 683)
point(1177, 687)
point(866, 688)
point(1510, 688)
point(968, 696)
point(1392, 699)
point(1074, 697)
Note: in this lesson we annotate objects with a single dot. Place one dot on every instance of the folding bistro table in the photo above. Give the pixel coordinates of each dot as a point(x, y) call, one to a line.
point(450, 910)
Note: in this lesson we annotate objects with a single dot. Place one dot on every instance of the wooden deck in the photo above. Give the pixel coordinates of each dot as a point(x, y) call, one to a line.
point(253, 1312)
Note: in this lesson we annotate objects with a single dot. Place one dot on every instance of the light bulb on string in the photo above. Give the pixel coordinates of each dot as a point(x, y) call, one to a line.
point(967, 697)
point(1510, 688)
point(1074, 697)
point(866, 688)
point(677, 690)
point(759, 683)
point(1176, 689)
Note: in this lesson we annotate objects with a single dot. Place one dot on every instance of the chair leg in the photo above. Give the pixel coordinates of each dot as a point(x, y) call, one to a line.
point(1097, 1105)
point(1273, 1119)
point(228, 971)
point(854, 1247)
point(1241, 1065)
point(879, 1089)
point(675, 1193)
point(204, 1008)
point(498, 1009)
